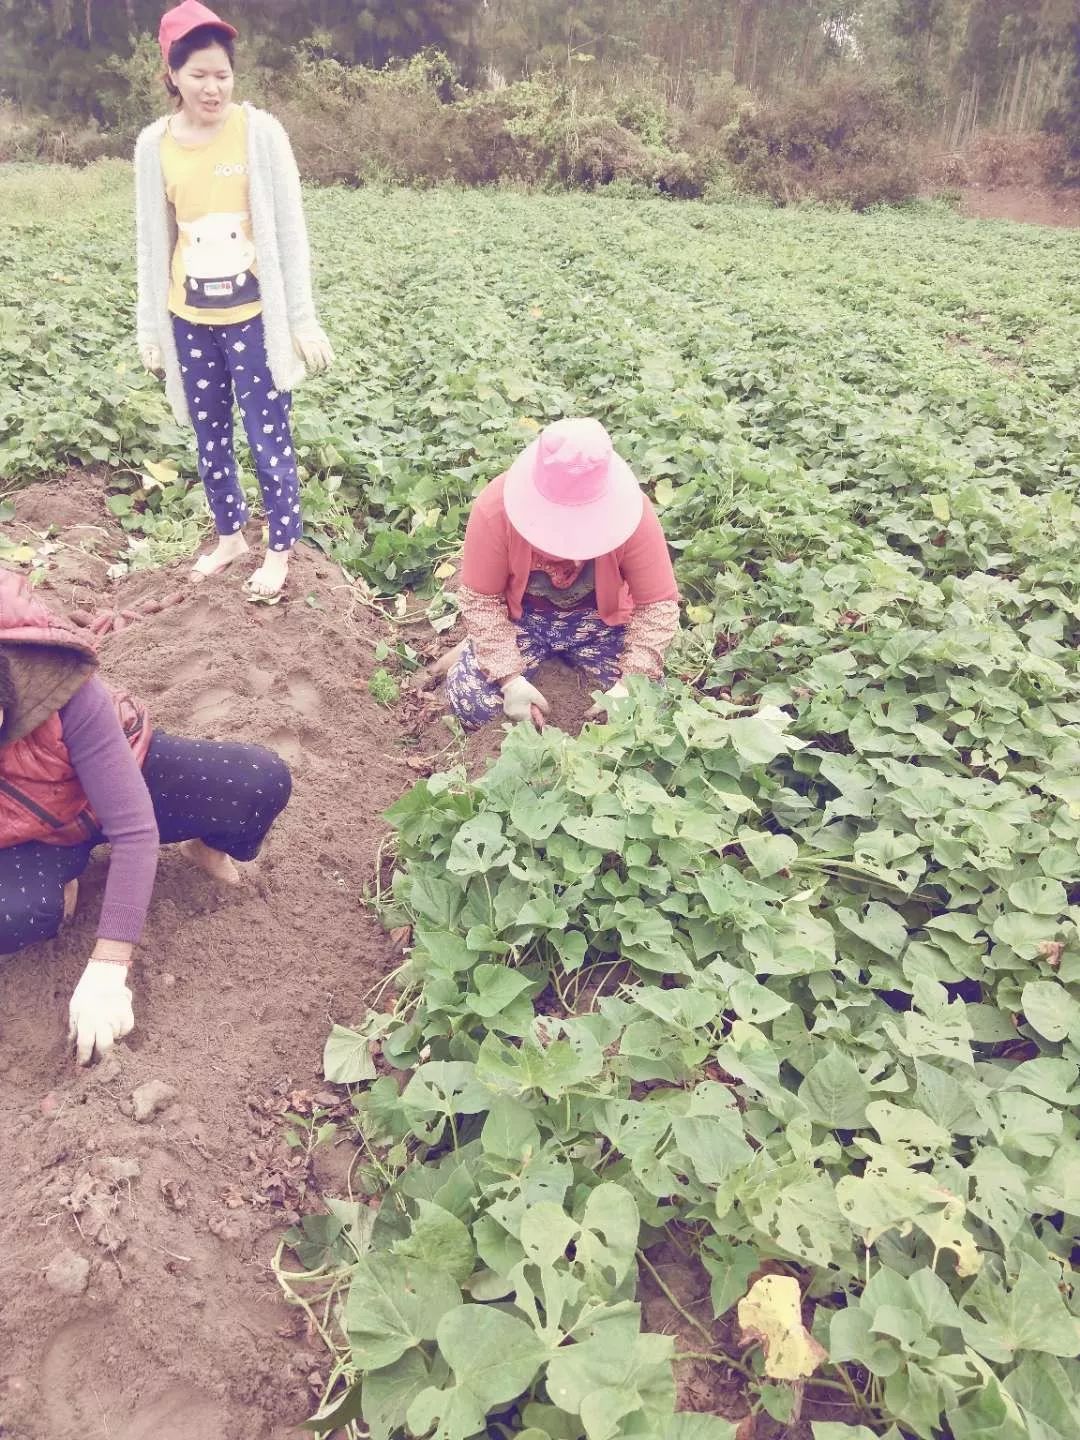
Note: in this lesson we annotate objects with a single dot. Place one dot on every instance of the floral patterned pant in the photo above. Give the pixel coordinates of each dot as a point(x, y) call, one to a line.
point(580, 638)
point(215, 361)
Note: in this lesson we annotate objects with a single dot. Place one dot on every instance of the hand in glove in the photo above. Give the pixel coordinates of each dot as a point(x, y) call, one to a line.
point(519, 696)
point(100, 1010)
point(314, 349)
point(618, 691)
point(151, 358)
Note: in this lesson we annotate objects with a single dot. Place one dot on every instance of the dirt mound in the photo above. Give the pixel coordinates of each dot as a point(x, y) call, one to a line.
point(71, 502)
point(176, 1331)
point(135, 1255)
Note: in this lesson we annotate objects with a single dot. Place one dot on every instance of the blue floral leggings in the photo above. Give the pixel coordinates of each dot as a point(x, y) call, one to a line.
point(580, 638)
point(215, 361)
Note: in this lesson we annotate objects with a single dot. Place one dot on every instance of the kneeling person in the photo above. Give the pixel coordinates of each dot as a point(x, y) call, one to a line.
point(80, 766)
point(564, 556)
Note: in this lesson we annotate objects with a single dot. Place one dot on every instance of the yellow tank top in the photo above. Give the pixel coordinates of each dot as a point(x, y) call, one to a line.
point(214, 272)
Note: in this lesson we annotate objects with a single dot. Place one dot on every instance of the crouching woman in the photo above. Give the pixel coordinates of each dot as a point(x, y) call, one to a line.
point(81, 766)
point(564, 557)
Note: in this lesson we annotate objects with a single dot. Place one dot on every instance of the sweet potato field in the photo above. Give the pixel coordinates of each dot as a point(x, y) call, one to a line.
point(771, 983)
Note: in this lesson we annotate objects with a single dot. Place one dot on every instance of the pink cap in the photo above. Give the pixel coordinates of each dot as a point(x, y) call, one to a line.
point(570, 495)
point(182, 19)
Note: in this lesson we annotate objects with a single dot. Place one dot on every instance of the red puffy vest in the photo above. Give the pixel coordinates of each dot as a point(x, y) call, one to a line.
point(40, 794)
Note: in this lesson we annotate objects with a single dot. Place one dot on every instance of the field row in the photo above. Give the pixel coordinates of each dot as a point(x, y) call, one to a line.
point(781, 965)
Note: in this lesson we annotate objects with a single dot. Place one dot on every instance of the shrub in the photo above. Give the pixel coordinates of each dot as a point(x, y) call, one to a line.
point(1014, 159)
point(586, 151)
point(501, 137)
point(685, 176)
point(413, 124)
point(644, 115)
point(352, 125)
point(26, 138)
point(131, 92)
point(947, 170)
point(992, 160)
point(844, 142)
point(543, 131)
point(713, 112)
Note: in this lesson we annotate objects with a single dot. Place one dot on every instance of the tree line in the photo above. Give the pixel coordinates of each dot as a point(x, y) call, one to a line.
point(962, 64)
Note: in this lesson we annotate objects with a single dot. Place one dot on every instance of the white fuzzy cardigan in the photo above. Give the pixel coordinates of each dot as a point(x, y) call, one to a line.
point(281, 249)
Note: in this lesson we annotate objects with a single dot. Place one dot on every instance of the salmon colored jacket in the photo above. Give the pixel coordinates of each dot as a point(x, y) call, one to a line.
point(498, 561)
point(50, 659)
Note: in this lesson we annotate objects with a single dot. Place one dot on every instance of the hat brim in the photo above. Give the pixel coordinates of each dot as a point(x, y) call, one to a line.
point(573, 532)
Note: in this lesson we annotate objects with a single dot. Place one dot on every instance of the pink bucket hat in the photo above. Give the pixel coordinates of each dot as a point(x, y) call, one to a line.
point(182, 19)
point(570, 495)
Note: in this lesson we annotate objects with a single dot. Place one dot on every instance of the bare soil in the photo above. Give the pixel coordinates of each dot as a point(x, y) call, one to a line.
point(1025, 204)
point(180, 1333)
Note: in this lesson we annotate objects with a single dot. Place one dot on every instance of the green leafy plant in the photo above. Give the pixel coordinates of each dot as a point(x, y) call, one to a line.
point(778, 969)
point(650, 994)
point(383, 687)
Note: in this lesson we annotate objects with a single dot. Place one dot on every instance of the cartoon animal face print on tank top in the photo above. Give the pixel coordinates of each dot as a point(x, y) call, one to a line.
point(217, 253)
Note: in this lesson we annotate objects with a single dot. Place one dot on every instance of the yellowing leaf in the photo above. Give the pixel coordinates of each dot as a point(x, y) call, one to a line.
point(698, 614)
point(158, 473)
point(526, 422)
point(17, 555)
point(771, 1313)
point(535, 311)
point(946, 1229)
point(445, 570)
point(663, 493)
point(939, 506)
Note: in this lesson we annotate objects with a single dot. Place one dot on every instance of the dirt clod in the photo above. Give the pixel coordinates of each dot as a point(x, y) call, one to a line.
point(68, 1274)
point(148, 1099)
point(226, 1228)
point(114, 1169)
point(175, 1194)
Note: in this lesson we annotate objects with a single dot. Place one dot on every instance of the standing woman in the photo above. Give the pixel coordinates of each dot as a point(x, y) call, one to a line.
point(225, 304)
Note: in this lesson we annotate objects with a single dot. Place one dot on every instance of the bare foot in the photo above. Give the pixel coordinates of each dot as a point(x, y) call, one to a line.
point(216, 863)
point(71, 898)
point(228, 549)
point(269, 579)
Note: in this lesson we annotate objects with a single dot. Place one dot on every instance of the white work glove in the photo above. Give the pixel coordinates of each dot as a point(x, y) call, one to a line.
point(100, 1010)
point(618, 691)
point(519, 696)
point(151, 358)
point(314, 349)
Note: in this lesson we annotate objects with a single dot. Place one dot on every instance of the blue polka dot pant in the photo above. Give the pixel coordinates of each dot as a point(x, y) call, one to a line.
point(217, 361)
point(225, 794)
point(580, 638)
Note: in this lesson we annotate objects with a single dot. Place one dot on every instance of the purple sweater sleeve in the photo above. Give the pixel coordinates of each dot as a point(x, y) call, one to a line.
point(112, 782)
